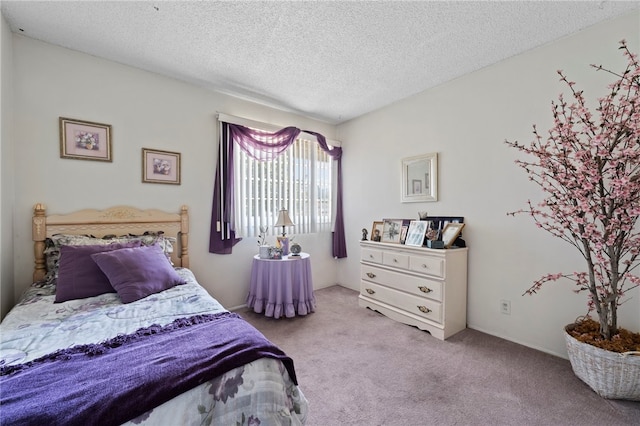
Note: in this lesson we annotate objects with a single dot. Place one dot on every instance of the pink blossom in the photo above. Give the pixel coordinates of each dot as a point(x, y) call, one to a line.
point(589, 168)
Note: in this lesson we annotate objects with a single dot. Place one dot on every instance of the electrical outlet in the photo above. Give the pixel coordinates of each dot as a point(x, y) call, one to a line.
point(505, 307)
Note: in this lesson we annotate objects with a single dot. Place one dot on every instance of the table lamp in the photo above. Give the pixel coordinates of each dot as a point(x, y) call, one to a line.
point(284, 220)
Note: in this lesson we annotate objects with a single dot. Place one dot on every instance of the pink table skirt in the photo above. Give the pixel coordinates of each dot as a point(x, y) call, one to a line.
point(282, 287)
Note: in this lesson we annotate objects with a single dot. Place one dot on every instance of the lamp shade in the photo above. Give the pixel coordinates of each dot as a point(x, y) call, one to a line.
point(283, 220)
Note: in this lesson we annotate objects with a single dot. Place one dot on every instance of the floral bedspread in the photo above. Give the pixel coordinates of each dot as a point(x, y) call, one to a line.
point(258, 393)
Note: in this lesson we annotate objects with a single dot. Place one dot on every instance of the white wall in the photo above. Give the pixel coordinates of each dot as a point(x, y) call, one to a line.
point(466, 121)
point(6, 170)
point(145, 110)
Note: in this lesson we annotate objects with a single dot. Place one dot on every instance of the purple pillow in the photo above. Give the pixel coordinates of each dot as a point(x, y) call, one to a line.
point(137, 272)
point(79, 276)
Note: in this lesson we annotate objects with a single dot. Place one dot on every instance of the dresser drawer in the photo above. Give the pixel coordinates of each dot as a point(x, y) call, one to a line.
point(397, 260)
point(416, 305)
point(415, 285)
point(427, 265)
point(370, 255)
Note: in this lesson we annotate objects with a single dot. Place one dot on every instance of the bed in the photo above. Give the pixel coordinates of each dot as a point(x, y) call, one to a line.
point(154, 349)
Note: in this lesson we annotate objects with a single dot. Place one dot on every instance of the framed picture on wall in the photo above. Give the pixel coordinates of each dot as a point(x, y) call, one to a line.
point(160, 166)
point(420, 178)
point(84, 140)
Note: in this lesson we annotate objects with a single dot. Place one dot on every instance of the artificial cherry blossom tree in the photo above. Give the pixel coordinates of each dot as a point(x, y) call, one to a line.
point(589, 169)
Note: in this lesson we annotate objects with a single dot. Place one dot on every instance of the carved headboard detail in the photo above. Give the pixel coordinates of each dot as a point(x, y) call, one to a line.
point(119, 220)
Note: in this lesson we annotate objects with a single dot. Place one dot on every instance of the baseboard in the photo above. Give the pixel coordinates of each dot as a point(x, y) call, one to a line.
point(537, 348)
point(236, 308)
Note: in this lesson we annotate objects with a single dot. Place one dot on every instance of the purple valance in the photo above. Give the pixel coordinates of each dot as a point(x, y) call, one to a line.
point(262, 146)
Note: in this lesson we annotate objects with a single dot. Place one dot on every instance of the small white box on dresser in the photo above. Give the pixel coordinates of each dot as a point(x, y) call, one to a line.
point(423, 287)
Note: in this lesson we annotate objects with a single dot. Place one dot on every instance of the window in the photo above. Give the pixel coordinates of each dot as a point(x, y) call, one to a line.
point(299, 180)
point(247, 195)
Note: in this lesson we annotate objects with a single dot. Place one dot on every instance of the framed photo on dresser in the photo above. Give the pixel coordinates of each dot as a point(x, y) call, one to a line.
point(451, 232)
point(376, 230)
point(391, 230)
point(416, 233)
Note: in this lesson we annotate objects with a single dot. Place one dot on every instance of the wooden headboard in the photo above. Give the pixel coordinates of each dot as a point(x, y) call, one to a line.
point(119, 220)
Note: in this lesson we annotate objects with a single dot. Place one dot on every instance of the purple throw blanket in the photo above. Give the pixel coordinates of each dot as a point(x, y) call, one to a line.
point(120, 379)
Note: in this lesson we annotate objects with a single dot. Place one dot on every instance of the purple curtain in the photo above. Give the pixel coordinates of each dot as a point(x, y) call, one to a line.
point(338, 236)
point(262, 146)
point(222, 236)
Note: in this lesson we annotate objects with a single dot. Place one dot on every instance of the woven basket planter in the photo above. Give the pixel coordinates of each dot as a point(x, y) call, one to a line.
point(611, 375)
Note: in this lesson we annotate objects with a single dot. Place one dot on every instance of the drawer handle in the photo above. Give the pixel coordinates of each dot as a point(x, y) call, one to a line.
point(425, 289)
point(395, 260)
point(371, 256)
point(424, 309)
point(371, 275)
point(424, 265)
point(370, 291)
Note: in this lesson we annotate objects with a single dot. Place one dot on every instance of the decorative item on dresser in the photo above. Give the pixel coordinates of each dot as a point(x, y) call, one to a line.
point(391, 230)
point(376, 230)
point(415, 285)
point(450, 233)
point(416, 234)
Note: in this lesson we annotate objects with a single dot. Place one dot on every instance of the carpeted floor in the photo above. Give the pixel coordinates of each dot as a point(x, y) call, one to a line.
point(357, 367)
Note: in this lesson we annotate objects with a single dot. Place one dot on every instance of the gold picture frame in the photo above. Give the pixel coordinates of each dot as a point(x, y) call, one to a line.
point(160, 166)
point(378, 226)
point(84, 140)
point(451, 232)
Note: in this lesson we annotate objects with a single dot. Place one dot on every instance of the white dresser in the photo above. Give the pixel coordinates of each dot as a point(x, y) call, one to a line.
point(423, 287)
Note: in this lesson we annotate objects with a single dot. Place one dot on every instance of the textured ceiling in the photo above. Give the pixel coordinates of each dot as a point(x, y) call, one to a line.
point(331, 61)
